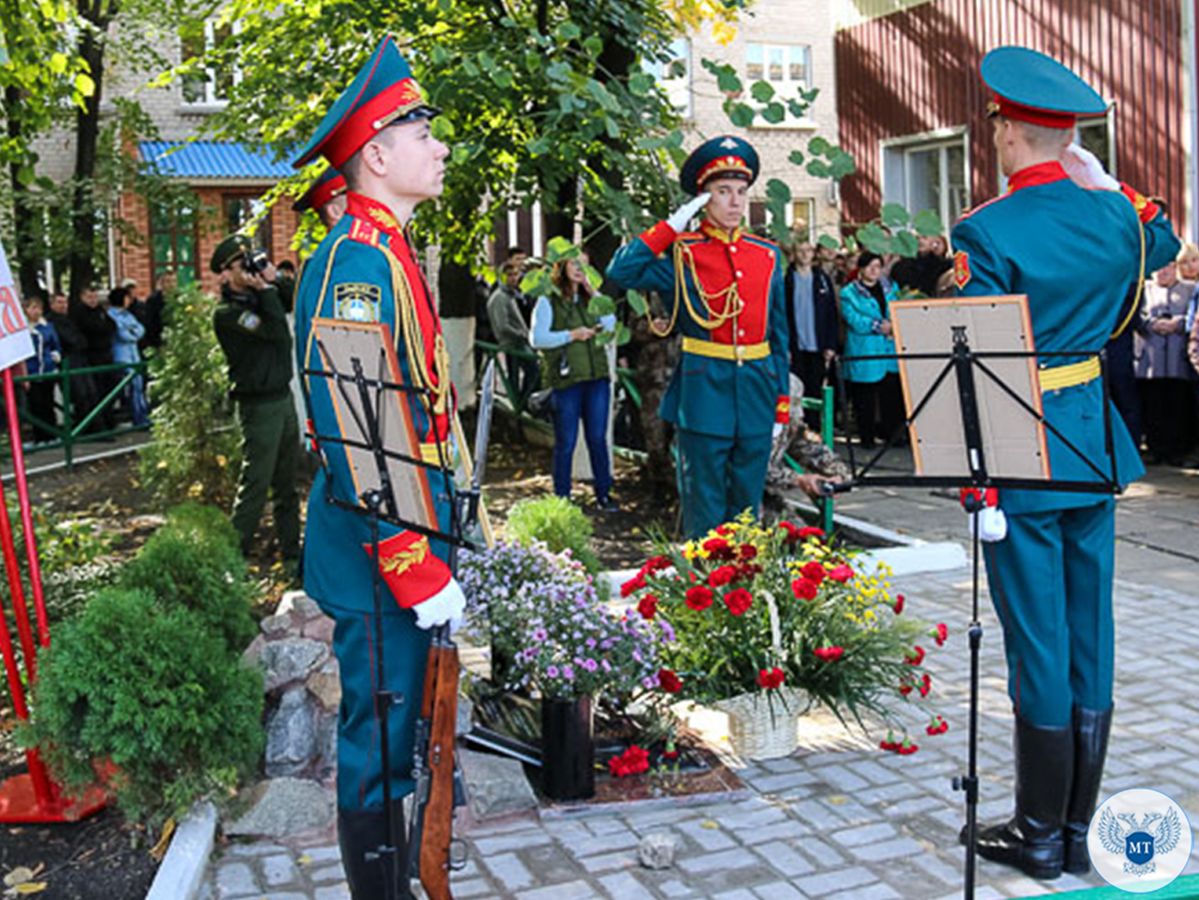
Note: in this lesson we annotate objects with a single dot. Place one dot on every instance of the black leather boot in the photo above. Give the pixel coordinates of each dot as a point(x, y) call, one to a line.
point(1032, 840)
point(361, 832)
point(1091, 731)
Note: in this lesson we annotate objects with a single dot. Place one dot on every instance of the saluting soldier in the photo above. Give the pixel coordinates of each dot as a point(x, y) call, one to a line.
point(378, 136)
point(724, 291)
point(1051, 576)
point(252, 329)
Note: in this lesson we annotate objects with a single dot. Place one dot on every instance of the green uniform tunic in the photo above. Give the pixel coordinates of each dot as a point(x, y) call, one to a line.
point(253, 333)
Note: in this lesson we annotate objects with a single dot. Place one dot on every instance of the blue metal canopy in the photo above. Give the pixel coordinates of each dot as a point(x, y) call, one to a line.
point(211, 159)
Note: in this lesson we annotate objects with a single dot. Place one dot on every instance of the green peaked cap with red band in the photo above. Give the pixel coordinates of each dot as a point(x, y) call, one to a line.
point(382, 93)
point(1031, 87)
point(725, 155)
point(328, 185)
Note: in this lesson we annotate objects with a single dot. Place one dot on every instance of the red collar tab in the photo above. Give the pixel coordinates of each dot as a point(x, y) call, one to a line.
point(369, 210)
point(1041, 173)
point(1049, 118)
point(712, 230)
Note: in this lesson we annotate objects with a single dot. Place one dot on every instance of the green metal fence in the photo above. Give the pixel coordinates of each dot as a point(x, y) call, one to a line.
point(626, 378)
point(72, 427)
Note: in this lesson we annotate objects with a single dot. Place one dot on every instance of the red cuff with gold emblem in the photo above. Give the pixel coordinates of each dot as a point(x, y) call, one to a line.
point(659, 238)
point(410, 569)
point(979, 497)
point(782, 410)
point(1146, 208)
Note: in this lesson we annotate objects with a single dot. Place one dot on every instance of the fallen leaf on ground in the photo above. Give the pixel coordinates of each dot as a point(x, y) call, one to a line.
point(158, 851)
point(709, 824)
point(29, 887)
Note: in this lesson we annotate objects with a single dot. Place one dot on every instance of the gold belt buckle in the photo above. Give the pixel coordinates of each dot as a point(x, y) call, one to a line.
point(739, 352)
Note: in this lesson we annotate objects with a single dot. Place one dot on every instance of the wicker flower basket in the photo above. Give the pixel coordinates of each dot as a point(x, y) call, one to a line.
point(761, 728)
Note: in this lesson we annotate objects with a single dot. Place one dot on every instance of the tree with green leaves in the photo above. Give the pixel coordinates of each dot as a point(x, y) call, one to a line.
point(42, 78)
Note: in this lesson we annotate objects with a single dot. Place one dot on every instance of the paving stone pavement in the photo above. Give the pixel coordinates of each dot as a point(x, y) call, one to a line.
point(838, 819)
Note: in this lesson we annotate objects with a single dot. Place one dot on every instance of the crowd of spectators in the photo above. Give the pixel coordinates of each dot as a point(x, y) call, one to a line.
point(97, 332)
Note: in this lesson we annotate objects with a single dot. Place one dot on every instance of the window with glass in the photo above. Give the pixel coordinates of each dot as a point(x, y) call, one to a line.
point(208, 86)
point(786, 67)
point(173, 241)
point(242, 209)
point(1096, 135)
point(673, 74)
point(928, 174)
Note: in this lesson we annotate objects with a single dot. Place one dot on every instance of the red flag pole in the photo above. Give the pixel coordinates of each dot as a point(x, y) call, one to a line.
point(33, 797)
point(31, 555)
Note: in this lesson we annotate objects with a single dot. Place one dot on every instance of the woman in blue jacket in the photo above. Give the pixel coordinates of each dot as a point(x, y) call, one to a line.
point(124, 350)
point(873, 383)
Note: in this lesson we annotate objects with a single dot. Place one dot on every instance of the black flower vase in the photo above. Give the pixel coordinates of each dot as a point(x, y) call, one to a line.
point(567, 749)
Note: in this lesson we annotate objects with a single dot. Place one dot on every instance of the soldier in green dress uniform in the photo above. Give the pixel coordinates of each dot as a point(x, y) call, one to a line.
point(1072, 239)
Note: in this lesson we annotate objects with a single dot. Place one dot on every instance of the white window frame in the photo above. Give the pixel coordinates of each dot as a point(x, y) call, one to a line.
point(678, 87)
point(941, 139)
point(784, 87)
point(210, 100)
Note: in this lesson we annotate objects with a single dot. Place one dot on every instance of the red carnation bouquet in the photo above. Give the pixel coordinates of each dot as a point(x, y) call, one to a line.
point(779, 612)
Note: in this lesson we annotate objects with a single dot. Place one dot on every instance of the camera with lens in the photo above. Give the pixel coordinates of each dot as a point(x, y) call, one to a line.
point(255, 261)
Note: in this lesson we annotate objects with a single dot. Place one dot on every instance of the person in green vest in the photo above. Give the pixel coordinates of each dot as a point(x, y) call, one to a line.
point(575, 367)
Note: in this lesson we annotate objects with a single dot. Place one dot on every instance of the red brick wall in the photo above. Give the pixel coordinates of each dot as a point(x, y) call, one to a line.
point(133, 255)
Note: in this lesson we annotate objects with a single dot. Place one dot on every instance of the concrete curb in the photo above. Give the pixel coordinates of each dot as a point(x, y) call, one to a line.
point(181, 874)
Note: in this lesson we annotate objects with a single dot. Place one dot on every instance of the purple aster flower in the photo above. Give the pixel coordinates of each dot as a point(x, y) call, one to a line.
point(551, 671)
point(568, 673)
point(540, 634)
point(590, 665)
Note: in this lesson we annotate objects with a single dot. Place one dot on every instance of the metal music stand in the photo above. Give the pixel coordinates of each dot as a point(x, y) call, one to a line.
point(377, 435)
point(972, 399)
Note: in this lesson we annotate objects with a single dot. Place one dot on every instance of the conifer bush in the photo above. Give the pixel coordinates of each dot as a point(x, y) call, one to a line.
point(196, 449)
point(557, 523)
point(153, 691)
point(194, 562)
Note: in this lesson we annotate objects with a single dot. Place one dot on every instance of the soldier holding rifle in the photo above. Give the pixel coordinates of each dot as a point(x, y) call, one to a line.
point(377, 135)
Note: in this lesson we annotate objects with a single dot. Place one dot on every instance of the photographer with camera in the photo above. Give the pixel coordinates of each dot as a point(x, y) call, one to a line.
point(252, 329)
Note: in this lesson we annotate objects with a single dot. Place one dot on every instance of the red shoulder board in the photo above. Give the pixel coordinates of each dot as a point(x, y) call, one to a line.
point(364, 232)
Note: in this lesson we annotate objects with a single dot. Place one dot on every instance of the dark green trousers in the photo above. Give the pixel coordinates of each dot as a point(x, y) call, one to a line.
point(719, 478)
point(270, 457)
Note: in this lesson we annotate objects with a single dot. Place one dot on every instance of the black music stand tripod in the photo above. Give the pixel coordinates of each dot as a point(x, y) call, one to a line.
point(964, 364)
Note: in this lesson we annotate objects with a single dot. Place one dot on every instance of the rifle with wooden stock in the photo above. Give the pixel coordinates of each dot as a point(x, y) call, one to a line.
point(439, 786)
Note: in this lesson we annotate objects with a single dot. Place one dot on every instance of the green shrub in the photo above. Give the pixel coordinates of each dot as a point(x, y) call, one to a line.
point(196, 448)
point(152, 691)
point(558, 523)
point(193, 562)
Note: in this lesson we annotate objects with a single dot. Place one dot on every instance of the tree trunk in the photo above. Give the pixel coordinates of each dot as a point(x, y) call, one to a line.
point(614, 64)
point(26, 255)
point(80, 264)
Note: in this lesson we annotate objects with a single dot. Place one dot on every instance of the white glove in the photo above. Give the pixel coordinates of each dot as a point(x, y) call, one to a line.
point(447, 605)
point(778, 429)
point(680, 217)
point(991, 522)
point(1085, 169)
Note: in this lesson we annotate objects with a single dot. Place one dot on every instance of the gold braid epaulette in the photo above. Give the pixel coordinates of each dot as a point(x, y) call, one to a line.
point(684, 261)
point(437, 381)
point(402, 560)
